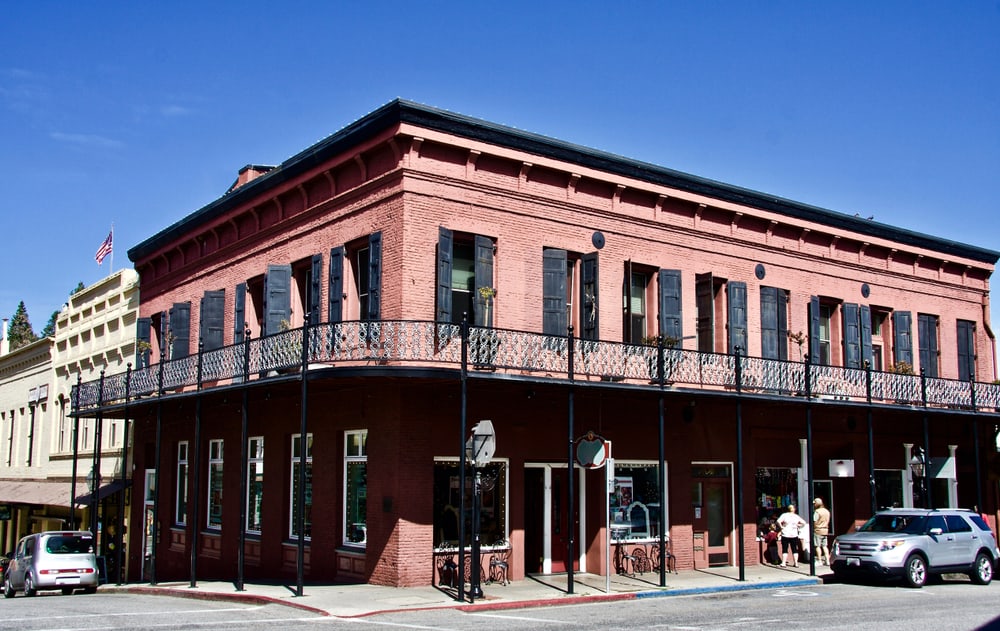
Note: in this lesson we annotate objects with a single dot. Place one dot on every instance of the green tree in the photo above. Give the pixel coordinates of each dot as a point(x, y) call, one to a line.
point(50, 327)
point(79, 287)
point(19, 333)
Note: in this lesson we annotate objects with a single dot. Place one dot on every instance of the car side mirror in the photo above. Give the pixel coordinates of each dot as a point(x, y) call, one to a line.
point(936, 531)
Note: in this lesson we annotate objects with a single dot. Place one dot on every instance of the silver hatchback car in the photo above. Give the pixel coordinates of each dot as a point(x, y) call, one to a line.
point(914, 544)
point(63, 560)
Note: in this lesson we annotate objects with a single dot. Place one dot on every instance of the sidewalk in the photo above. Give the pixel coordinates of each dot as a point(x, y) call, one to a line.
point(348, 601)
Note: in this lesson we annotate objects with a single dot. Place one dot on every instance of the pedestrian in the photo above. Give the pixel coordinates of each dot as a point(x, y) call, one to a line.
point(771, 545)
point(790, 523)
point(821, 531)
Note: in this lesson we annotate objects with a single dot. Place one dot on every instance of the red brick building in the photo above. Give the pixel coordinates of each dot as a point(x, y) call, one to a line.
point(668, 314)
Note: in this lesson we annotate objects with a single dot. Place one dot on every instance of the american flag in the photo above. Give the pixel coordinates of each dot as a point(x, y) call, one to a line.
point(105, 248)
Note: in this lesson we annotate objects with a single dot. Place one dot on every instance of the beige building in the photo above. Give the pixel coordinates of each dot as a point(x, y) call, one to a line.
point(94, 333)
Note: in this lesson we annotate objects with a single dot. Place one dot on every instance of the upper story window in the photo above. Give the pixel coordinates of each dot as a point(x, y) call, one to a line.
point(927, 334)
point(721, 302)
point(823, 330)
point(464, 267)
point(355, 280)
point(634, 303)
point(966, 341)
point(306, 277)
point(773, 323)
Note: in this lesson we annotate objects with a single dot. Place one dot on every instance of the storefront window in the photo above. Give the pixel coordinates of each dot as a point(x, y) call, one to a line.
point(635, 501)
point(215, 457)
point(255, 483)
point(447, 499)
point(888, 488)
point(777, 487)
point(294, 504)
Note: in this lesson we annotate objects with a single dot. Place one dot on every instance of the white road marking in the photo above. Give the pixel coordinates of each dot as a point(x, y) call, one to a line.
point(525, 618)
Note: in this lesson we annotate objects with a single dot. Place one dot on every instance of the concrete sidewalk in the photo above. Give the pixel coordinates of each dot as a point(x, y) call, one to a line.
point(361, 600)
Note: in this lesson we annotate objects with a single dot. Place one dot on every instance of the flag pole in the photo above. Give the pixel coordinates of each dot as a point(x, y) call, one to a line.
point(112, 248)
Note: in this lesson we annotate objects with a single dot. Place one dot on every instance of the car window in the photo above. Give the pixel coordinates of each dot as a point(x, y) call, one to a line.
point(911, 524)
point(957, 523)
point(977, 520)
point(68, 544)
point(936, 521)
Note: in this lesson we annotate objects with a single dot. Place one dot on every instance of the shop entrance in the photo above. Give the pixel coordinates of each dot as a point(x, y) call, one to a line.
point(546, 519)
point(713, 514)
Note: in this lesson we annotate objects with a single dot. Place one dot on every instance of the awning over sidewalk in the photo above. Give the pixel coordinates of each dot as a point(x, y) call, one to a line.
point(37, 492)
point(105, 491)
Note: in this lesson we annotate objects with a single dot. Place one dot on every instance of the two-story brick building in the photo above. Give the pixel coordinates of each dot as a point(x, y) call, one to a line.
point(668, 314)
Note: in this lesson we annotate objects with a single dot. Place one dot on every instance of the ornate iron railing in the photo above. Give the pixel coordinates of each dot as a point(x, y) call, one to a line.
point(506, 351)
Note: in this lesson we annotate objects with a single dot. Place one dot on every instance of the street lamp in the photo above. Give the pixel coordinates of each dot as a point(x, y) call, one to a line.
point(918, 467)
point(479, 450)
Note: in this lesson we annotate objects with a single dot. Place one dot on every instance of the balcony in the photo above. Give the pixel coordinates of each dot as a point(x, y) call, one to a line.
point(493, 352)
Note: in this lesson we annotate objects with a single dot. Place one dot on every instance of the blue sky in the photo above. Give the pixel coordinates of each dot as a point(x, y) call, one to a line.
point(139, 113)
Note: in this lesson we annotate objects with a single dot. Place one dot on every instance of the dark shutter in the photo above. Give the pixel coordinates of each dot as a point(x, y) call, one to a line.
point(902, 337)
point(239, 313)
point(866, 335)
point(444, 265)
point(782, 306)
point(966, 350)
point(180, 330)
point(928, 340)
point(704, 292)
point(669, 281)
point(315, 282)
point(484, 278)
point(335, 299)
point(554, 314)
point(852, 336)
point(769, 335)
point(143, 328)
point(211, 319)
point(277, 299)
point(737, 293)
point(375, 276)
point(589, 298)
point(814, 340)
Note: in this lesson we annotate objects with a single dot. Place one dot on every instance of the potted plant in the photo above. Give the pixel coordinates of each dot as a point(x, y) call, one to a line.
point(669, 359)
point(487, 342)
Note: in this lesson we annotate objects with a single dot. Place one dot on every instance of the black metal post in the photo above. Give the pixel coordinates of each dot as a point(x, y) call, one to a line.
point(155, 526)
point(925, 484)
point(662, 462)
point(244, 437)
point(96, 493)
point(871, 438)
point(570, 490)
point(194, 482)
point(462, 462)
point(75, 407)
point(303, 446)
point(119, 531)
point(475, 587)
point(740, 520)
point(31, 430)
point(805, 502)
point(975, 445)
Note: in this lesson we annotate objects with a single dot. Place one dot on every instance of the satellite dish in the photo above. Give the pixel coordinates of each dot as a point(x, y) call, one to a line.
point(598, 240)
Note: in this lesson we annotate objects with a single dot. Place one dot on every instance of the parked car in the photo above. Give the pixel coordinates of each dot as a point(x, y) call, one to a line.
point(52, 560)
point(914, 544)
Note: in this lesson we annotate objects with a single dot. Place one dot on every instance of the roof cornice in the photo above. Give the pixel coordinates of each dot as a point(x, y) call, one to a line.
point(403, 111)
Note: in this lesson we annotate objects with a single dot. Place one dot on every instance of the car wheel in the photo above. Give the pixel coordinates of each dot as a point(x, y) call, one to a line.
point(915, 573)
point(29, 585)
point(8, 589)
point(982, 570)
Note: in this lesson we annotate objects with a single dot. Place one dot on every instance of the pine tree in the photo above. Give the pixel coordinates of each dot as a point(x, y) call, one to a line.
point(50, 327)
point(19, 333)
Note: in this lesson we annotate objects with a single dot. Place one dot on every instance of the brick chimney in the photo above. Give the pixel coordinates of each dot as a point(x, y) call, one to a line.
point(247, 174)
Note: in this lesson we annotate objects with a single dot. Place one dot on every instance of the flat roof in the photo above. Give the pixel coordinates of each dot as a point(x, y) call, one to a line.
point(403, 111)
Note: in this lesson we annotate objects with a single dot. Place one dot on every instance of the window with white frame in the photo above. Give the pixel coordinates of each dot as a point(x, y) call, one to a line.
point(215, 449)
point(293, 519)
point(356, 487)
point(255, 483)
point(635, 501)
point(180, 507)
point(61, 446)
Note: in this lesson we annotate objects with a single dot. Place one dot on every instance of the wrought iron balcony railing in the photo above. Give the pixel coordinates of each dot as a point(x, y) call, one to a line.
point(506, 351)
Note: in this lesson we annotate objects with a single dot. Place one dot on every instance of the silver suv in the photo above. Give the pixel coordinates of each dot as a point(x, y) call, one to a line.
point(915, 543)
